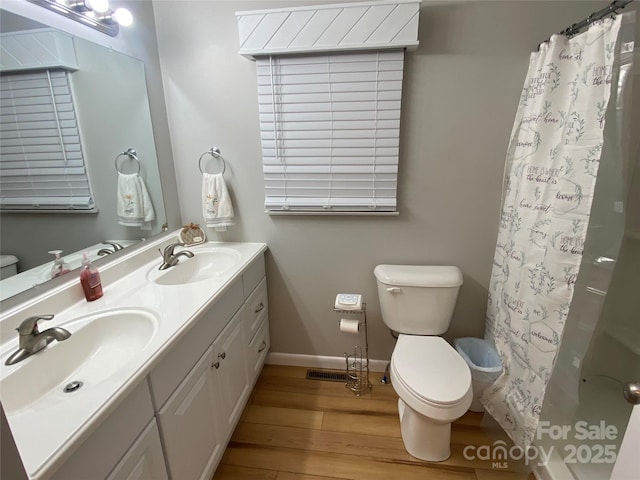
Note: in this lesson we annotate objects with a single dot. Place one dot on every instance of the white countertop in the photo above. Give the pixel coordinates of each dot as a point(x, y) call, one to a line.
point(47, 432)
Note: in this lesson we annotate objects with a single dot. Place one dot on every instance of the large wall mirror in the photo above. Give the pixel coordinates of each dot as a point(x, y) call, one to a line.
point(113, 111)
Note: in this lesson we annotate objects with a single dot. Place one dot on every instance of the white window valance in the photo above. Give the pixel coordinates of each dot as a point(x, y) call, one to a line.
point(41, 161)
point(37, 50)
point(330, 128)
point(376, 25)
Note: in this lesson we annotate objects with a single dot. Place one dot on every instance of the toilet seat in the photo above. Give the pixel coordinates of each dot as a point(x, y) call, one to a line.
point(431, 377)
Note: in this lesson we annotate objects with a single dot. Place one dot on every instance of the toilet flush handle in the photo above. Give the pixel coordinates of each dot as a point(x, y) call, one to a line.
point(393, 290)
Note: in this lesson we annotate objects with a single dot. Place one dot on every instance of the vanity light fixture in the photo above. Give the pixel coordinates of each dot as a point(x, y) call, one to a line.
point(96, 14)
point(82, 6)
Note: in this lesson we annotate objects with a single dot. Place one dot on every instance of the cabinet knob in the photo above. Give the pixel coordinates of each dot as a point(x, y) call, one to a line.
point(216, 365)
point(263, 346)
point(259, 308)
point(222, 355)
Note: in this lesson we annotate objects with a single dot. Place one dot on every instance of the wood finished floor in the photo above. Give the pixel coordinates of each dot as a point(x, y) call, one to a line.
point(299, 429)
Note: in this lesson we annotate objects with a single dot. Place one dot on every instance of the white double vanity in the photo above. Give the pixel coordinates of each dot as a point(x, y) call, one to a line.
point(160, 368)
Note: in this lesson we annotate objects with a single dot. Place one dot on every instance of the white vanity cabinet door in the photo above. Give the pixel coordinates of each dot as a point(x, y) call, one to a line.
point(231, 372)
point(144, 460)
point(189, 424)
point(177, 363)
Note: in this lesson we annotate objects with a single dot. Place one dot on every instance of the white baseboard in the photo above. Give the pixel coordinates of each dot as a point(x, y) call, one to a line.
point(554, 469)
point(318, 361)
point(541, 472)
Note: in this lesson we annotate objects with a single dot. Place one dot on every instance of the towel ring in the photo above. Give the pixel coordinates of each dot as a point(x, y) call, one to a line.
point(132, 154)
point(215, 153)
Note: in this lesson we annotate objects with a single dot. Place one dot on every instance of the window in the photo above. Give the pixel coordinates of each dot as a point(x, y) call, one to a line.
point(330, 128)
point(41, 162)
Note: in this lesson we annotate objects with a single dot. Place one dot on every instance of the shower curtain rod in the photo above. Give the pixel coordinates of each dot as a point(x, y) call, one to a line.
point(612, 9)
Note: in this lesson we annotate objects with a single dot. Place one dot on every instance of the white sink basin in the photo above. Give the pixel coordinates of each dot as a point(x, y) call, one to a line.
point(206, 264)
point(100, 346)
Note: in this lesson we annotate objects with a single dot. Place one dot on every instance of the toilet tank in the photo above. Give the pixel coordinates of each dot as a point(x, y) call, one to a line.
point(8, 266)
point(418, 299)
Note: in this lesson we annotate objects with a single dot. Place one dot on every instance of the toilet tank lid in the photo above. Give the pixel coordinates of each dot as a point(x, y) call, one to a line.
point(6, 260)
point(419, 275)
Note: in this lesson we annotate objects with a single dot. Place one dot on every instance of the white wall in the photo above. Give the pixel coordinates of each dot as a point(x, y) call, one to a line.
point(461, 90)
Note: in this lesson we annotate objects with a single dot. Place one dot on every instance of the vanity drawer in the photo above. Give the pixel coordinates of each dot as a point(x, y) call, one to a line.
point(109, 443)
point(257, 306)
point(252, 276)
point(258, 350)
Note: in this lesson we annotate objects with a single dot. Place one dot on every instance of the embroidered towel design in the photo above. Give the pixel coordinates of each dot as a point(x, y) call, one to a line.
point(134, 207)
point(217, 208)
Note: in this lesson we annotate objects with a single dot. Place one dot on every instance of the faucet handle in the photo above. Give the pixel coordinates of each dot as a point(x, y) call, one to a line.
point(30, 325)
point(168, 250)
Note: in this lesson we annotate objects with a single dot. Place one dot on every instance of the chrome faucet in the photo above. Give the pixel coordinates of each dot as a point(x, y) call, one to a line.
point(32, 340)
point(105, 251)
point(169, 258)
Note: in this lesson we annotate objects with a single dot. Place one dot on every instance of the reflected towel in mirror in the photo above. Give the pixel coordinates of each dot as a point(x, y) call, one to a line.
point(217, 208)
point(134, 208)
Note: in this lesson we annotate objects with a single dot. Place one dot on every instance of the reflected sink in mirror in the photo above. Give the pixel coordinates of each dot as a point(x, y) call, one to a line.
point(100, 346)
point(24, 280)
point(206, 264)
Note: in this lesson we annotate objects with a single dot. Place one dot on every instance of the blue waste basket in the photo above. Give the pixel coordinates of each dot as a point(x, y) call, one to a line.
point(485, 365)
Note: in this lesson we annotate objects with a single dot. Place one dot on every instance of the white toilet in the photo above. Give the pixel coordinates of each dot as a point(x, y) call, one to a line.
point(432, 380)
point(8, 266)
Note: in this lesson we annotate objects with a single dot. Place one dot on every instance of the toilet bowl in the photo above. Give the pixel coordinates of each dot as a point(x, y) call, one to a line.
point(432, 380)
point(434, 385)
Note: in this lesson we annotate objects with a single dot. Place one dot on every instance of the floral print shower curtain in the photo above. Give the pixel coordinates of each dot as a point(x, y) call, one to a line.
point(552, 164)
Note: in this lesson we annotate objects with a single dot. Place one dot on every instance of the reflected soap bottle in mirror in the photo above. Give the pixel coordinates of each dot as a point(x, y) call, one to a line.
point(90, 280)
point(59, 267)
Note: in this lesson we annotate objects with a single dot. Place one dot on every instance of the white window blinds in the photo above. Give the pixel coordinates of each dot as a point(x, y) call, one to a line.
point(330, 131)
point(41, 161)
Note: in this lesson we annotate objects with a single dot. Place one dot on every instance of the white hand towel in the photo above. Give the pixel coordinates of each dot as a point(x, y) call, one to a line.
point(134, 207)
point(217, 208)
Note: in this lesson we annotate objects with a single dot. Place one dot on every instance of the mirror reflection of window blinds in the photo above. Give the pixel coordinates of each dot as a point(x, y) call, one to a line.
point(41, 161)
point(330, 129)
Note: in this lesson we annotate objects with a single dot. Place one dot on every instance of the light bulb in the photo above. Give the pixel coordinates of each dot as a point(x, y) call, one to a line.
point(123, 17)
point(98, 6)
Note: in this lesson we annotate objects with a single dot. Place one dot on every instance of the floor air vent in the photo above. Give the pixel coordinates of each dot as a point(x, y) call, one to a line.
point(326, 376)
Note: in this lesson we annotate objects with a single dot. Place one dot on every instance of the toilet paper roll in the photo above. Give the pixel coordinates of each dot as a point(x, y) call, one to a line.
point(348, 325)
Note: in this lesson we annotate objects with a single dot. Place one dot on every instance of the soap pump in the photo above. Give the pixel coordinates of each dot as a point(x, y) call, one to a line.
point(59, 266)
point(90, 280)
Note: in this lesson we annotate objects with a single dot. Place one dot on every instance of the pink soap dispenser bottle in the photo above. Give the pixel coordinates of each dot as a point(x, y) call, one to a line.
point(90, 280)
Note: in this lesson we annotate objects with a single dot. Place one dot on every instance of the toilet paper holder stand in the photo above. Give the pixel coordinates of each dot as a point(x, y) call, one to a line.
point(357, 364)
